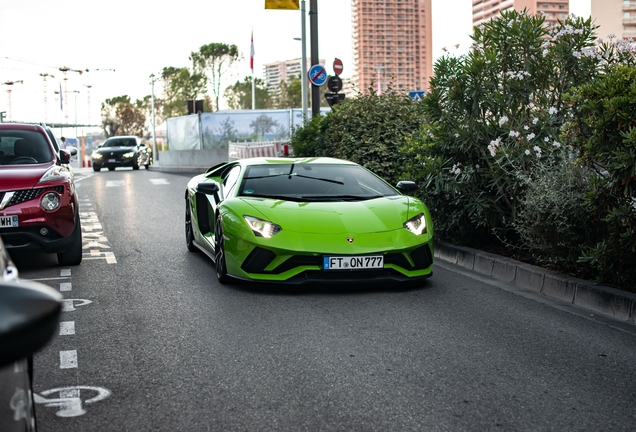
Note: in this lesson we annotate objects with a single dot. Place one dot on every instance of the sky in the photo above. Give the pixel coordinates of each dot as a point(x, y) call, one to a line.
point(122, 42)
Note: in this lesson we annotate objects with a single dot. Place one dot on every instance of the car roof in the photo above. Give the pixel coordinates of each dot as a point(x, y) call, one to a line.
point(22, 126)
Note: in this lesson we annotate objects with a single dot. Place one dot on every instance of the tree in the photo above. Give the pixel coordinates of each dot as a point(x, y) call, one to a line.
point(290, 94)
point(263, 124)
point(216, 59)
point(122, 117)
point(239, 95)
point(181, 85)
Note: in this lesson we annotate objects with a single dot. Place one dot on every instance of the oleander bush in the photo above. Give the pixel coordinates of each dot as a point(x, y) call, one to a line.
point(603, 131)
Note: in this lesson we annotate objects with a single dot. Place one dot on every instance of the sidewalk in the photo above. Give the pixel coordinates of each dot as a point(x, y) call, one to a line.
point(600, 299)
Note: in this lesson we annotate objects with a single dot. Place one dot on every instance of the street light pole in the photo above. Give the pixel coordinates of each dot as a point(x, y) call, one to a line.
point(155, 153)
point(303, 77)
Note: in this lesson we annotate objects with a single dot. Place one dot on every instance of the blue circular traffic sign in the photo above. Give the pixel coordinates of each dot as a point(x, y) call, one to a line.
point(317, 75)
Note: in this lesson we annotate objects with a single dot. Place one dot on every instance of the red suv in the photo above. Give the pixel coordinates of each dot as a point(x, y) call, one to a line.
point(38, 202)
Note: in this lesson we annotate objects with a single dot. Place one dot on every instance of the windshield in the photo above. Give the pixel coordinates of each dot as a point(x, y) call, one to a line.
point(24, 147)
point(315, 182)
point(120, 142)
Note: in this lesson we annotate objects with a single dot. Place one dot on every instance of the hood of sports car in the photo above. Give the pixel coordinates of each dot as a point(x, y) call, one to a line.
point(376, 215)
point(21, 177)
point(114, 150)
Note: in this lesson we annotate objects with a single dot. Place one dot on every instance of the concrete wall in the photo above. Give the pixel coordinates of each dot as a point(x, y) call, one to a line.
point(187, 160)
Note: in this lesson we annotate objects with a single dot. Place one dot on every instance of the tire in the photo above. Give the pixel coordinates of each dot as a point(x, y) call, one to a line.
point(97, 167)
point(72, 255)
point(136, 163)
point(188, 229)
point(219, 252)
point(111, 168)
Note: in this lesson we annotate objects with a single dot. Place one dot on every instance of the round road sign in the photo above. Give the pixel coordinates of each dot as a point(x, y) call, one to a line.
point(317, 75)
point(337, 66)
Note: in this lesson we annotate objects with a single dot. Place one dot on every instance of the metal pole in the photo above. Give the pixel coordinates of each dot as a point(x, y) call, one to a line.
point(303, 74)
point(313, 29)
point(155, 153)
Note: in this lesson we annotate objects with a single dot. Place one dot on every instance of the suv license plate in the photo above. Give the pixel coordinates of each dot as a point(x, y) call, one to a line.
point(8, 221)
point(362, 262)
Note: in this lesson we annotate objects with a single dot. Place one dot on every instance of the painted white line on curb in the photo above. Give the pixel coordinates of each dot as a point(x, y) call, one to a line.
point(66, 286)
point(67, 328)
point(68, 359)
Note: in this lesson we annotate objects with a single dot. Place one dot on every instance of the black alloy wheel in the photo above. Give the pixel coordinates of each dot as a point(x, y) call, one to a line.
point(219, 252)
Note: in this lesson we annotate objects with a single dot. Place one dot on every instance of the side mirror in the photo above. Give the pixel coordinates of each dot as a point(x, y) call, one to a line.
point(208, 188)
point(29, 316)
point(72, 150)
point(65, 156)
point(406, 187)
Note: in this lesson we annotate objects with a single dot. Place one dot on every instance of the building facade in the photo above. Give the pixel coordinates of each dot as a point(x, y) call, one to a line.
point(276, 72)
point(615, 17)
point(392, 44)
point(485, 10)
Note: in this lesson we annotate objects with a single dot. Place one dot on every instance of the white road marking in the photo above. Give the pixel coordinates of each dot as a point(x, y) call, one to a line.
point(66, 286)
point(159, 181)
point(65, 272)
point(69, 401)
point(69, 305)
point(46, 279)
point(67, 328)
point(68, 359)
point(114, 183)
point(95, 254)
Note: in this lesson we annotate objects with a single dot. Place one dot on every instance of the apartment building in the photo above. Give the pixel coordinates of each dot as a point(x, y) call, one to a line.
point(617, 17)
point(484, 10)
point(276, 72)
point(392, 43)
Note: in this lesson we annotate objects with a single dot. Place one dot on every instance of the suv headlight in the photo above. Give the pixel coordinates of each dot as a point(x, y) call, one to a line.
point(96, 155)
point(50, 201)
point(417, 224)
point(262, 228)
point(54, 173)
point(129, 154)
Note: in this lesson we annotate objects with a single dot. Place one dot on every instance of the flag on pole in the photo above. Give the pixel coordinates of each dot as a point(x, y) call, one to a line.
point(252, 53)
point(61, 97)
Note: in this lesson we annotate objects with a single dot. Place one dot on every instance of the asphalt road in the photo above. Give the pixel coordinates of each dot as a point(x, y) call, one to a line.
point(151, 342)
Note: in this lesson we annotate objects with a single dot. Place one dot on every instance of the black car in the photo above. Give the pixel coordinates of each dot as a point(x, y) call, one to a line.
point(29, 316)
point(121, 151)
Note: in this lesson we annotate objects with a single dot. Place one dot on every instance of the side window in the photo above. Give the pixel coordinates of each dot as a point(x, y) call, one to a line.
point(229, 182)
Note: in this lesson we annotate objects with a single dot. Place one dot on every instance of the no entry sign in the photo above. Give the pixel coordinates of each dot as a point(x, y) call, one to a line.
point(337, 66)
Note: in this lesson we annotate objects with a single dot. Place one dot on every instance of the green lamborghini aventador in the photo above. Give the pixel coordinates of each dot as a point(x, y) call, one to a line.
point(304, 220)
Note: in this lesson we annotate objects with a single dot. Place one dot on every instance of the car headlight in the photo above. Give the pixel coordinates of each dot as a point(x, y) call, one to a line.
point(262, 228)
point(50, 201)
point(96, 155)
point(417, 224)
point(129, 154)
point(54, 173)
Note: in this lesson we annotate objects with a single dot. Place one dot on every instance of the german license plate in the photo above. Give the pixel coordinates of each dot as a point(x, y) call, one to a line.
point(353, 262)
point(112, 160)
point(8, 221)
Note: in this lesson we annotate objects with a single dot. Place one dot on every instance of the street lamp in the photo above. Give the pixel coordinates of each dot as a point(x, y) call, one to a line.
point(303, 66)
point(155, 153)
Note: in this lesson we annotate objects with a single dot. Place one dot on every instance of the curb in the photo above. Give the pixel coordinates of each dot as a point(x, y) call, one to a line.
point(601, 299)
point(178, 169)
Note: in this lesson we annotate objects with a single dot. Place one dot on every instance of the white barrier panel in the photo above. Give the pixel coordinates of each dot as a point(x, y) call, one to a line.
point(244, 150)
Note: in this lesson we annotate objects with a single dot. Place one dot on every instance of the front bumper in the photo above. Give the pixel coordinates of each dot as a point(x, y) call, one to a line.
point(266, 266)
point(61, 224)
